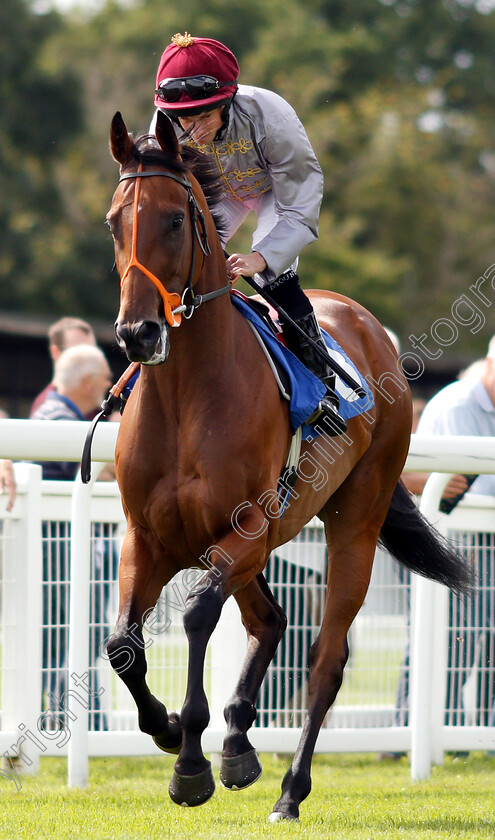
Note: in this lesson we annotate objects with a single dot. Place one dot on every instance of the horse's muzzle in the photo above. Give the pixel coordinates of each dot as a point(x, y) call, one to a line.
point(144, 341)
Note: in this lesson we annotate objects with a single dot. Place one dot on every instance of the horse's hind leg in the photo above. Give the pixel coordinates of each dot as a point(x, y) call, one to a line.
point(353, 519)
point(141, 578)
point(265, 622)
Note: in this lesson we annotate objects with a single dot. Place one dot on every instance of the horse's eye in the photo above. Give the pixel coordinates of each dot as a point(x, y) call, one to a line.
point(177, 222)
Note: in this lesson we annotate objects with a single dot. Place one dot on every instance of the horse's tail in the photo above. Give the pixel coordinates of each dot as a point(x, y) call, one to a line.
point(418, 546)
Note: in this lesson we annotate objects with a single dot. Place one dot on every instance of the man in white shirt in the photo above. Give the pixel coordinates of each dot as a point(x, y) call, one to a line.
point(465, 407)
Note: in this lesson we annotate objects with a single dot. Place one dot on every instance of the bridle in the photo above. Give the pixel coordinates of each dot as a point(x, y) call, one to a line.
point(174, 305)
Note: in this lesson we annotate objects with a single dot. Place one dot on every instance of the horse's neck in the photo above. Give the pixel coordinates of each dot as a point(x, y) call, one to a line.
point(203, 356)
point(207, 342)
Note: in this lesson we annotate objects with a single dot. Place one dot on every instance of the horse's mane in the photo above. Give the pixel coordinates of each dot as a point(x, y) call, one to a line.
point(148, 151)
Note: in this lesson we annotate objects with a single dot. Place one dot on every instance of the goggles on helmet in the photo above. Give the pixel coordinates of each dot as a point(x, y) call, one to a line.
point(196, 87)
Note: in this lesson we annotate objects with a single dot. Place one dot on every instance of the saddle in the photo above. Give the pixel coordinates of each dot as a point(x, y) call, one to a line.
point(269, 317)
point(266, 312)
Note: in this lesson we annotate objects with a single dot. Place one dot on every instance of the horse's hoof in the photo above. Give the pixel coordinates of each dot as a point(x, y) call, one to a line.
point(192, 790)
point(165, 747)
point(240, 771)
point(171, 740)
point(277, 816)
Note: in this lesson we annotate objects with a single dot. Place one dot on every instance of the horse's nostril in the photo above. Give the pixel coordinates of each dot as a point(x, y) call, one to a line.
point(147, 332)
point(144, 332)
point(140, 340)
point(123, 333)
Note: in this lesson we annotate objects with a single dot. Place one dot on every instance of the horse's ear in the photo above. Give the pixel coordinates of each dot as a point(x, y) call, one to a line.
point(121, 144)
point(166, 136)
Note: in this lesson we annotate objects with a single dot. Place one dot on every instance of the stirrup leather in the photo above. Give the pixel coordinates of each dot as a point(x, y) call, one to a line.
point(329, 404)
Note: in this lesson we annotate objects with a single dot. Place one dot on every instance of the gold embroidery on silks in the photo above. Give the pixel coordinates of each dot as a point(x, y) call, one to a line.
point(245, 191)
point(230, 191)
point(249, 173)
point(230, 147)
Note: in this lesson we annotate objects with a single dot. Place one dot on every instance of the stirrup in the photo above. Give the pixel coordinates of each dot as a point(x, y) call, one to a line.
point(328, 413)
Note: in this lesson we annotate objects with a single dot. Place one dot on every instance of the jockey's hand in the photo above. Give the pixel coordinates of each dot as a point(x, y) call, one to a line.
point(245, 264)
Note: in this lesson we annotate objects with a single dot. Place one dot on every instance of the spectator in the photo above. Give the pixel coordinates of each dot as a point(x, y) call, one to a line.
point(466, 407)
point(65, 333)
point(82, 378)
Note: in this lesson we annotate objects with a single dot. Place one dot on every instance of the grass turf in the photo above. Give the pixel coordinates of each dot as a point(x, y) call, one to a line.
point(354, 797)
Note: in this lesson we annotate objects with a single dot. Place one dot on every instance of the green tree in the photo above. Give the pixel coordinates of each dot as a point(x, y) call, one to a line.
point(398, 97)
point(40, 115)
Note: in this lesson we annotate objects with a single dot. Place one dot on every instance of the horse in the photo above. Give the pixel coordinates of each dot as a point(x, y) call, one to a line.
point(202, 444)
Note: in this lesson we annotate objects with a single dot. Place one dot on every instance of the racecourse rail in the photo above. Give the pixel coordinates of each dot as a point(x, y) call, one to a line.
point(425, 735)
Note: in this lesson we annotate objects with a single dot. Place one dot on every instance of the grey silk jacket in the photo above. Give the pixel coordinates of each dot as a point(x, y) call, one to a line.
point(268, 166)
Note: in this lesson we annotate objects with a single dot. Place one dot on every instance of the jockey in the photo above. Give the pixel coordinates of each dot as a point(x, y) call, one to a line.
point(267, 165)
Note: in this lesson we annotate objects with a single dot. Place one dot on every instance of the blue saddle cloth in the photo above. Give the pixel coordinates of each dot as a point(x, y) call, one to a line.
point(306, 390)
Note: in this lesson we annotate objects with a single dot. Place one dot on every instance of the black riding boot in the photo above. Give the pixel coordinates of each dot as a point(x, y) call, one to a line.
point(287, 292)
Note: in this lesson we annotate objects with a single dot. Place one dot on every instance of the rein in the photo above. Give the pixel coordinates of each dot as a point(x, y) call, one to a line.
point(174, 305)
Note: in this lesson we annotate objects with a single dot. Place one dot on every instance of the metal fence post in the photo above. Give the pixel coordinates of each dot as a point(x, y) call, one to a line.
point(78, 678)
point(21, 692)
point(422, 659)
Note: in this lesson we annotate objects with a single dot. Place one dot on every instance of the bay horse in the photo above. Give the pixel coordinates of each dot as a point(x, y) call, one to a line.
point(202, 444)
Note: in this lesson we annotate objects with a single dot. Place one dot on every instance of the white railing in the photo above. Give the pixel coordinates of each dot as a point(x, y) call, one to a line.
point(425, 736)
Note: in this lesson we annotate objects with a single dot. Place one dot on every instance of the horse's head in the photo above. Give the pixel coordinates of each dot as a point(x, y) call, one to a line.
point(159, 238)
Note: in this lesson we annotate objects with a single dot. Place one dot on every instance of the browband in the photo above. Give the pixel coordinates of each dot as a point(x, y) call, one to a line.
point(152, 173)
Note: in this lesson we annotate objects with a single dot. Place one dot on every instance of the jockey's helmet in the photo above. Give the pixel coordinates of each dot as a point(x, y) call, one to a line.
point(195, 75)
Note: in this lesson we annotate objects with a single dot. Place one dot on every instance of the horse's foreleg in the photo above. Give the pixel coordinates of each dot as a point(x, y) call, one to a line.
point(192, 782)
point(236, 561)
point(141, 579)
point(265, 622)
